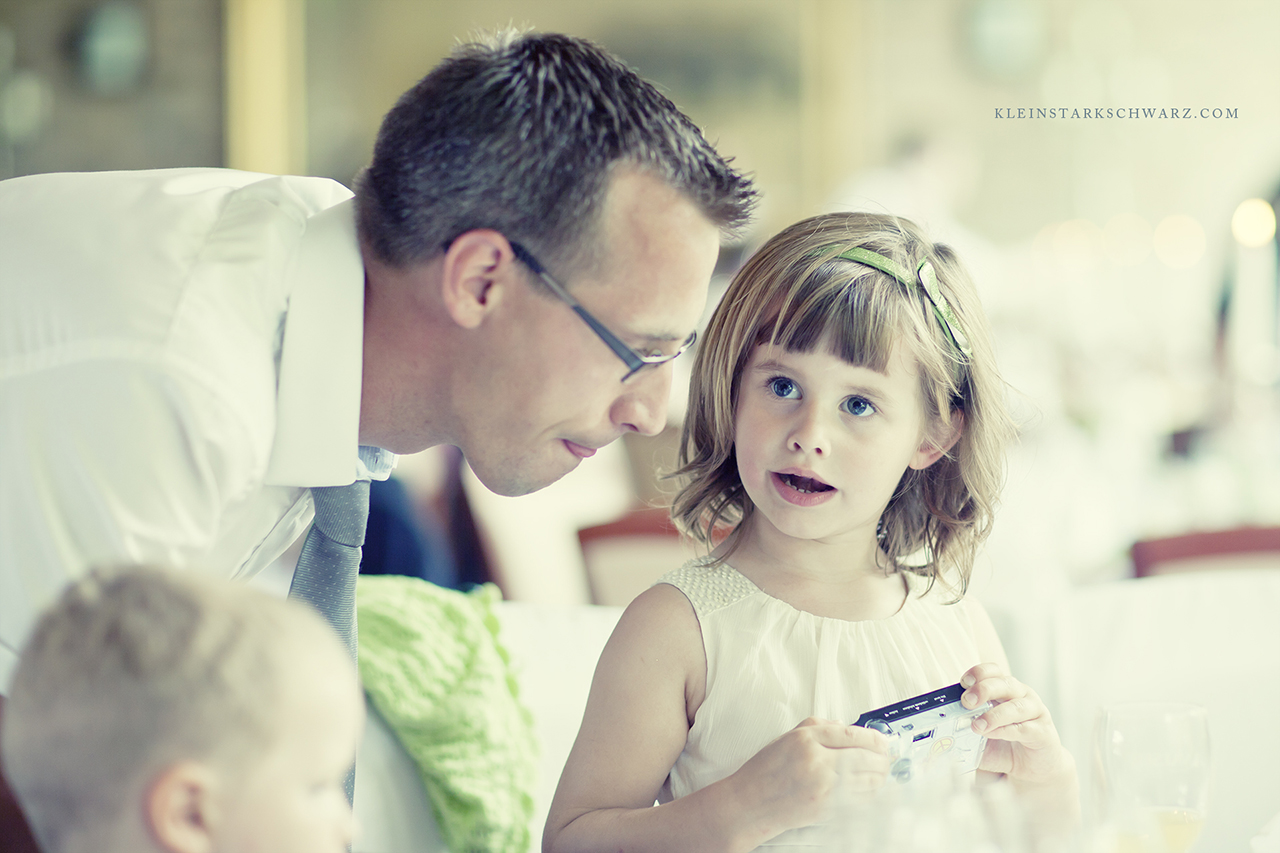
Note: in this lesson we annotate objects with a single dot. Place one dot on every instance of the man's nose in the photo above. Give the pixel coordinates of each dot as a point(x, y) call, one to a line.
point(642, 407)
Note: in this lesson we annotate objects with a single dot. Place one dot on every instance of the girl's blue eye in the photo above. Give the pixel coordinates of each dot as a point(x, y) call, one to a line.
point(783, 387)
point(859, 407)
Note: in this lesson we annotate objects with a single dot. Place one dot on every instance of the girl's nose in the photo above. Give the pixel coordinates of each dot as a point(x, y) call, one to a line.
point(808, 433)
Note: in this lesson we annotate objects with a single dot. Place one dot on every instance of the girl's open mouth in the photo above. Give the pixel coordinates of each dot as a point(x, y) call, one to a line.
point(800, 490)
point(805, 485)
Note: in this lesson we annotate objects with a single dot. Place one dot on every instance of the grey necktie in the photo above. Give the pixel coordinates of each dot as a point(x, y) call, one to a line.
point(329, 563)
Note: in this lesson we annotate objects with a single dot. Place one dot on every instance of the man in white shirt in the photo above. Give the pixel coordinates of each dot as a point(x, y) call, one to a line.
point(184, 353)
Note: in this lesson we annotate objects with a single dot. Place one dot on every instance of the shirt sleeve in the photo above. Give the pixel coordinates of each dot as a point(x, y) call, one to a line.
point(107, 461)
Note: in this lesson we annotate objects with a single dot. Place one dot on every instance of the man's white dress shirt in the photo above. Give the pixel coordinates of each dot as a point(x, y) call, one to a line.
point(180, 358)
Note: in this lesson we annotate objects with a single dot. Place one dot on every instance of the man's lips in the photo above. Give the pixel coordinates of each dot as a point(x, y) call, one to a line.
point(579, 450)
point(801, 488)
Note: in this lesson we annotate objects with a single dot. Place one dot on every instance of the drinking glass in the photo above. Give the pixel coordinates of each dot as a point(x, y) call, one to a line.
point(1152, 775)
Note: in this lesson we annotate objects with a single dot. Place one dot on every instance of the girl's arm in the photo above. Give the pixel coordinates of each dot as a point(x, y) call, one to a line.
point(648, 685)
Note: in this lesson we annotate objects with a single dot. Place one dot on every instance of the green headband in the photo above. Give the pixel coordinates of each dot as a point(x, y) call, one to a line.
point(928, 281)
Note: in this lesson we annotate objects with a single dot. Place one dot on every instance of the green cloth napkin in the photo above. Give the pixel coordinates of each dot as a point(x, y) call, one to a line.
point(433, 667)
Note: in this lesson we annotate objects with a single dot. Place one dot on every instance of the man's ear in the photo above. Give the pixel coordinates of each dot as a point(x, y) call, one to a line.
point(181, 808)
point(942, 438)
point(476, 267)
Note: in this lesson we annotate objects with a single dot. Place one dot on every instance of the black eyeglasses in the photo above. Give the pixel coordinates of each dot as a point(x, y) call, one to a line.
point(634, 361)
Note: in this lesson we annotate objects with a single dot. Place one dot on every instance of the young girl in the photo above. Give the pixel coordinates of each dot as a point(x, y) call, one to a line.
point(846, 429)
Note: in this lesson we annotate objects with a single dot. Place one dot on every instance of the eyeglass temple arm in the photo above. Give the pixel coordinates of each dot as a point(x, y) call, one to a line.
point(620, 349)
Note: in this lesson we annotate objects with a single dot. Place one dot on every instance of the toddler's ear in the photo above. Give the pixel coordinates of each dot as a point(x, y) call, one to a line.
point(942, 437)
point(180, 808)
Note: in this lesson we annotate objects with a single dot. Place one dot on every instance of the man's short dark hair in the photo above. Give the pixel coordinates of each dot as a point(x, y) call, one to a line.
point(518, 133)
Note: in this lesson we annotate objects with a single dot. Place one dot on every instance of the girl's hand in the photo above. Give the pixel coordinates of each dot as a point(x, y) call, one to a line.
point(788, 783)
point(1022, 741)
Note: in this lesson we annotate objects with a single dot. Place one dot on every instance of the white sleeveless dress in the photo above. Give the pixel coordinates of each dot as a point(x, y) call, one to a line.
point(769, 666)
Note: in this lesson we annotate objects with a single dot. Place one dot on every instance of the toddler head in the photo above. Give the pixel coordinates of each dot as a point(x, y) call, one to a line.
point(861, 287)
point(157, 710)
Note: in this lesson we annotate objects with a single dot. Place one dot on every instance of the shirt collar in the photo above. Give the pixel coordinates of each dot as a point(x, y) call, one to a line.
point(318, 391)
point(375, 463)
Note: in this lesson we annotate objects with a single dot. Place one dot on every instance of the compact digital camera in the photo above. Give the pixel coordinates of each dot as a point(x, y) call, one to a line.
point(929, 731)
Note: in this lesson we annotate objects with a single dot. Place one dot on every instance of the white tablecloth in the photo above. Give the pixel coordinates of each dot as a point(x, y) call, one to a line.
point(1211, 638)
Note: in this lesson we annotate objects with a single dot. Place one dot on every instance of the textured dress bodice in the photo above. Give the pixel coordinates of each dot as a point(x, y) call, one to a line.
point(769, 666)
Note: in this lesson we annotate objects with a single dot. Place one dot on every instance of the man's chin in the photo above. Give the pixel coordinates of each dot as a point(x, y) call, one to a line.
point(512, 482)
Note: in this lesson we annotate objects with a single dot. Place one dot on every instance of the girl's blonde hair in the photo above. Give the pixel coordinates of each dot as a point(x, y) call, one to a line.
point(796, 292)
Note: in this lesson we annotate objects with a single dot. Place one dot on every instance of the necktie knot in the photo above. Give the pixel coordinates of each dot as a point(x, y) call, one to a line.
point(342, 512)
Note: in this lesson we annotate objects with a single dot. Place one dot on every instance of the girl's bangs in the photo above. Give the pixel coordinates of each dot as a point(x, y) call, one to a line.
point(850, 313)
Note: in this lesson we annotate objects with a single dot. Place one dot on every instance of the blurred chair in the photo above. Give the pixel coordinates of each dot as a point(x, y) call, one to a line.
point(1239, 548)
point(1207, 638)
point(623, 558)
point(531, 541)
